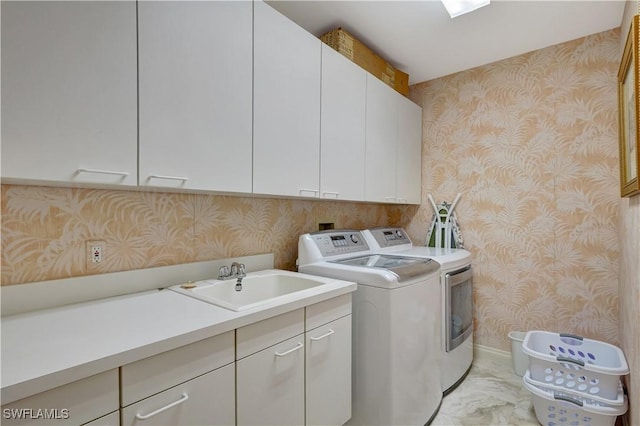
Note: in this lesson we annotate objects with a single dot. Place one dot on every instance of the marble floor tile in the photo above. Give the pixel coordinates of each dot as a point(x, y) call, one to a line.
point(491, 394)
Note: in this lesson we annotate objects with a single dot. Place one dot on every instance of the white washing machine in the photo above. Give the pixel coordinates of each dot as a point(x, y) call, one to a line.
point(396, 326)
point(457, 297)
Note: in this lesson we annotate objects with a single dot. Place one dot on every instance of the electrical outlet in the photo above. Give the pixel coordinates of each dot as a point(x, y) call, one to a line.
point(326, 224)
point(95, 252)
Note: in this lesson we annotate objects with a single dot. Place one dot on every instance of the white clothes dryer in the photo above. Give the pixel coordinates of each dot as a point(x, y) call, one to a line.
point(457, 297)
point(396, 326)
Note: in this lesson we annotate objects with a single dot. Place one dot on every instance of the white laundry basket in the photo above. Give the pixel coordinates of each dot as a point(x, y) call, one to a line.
point(586, 398)
point(576, 364)
point(554, 408)
point(519, 359)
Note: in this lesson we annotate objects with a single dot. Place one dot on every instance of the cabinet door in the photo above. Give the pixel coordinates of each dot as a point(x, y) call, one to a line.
point(195, 94)
point(286, 137)
point(380, 166)
point(328, 373)
point(409, 151)
point(270, 385)
point(69, 91)
point(205, 400)
point(342, 143)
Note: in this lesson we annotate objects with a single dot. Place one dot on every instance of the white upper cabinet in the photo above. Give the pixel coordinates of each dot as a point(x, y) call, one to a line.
point(224, 96)
point(342, 134)
point(394, 146)
point(409, 152)
point(195, 94)
point(286, 119)
point(381, 161)
point(69, 91)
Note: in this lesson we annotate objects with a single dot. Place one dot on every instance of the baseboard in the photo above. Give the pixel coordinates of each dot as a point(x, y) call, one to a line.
point(480, 349)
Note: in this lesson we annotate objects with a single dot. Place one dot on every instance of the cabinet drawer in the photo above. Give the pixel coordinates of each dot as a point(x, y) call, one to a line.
point(327, 311)
point(149, 376)
point(72, 404)
point(205, 400)
point(255, 337)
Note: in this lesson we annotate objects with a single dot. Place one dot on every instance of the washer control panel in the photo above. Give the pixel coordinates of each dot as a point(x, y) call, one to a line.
point(390, 237)
point(331, 243)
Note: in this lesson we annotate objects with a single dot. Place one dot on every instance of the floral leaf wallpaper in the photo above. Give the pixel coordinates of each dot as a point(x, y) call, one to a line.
point(45, 230)
point(531, 143)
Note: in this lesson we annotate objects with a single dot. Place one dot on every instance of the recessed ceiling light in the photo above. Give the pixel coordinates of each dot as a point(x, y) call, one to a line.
point(460, 7)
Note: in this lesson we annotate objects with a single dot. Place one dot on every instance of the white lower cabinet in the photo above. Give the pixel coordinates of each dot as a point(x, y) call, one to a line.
point(328, 362)
point(271, 385)
point(305, 378)
point(328, 373)
point(75, 403)
point(291, 369)
point(205, 400)
point(270, 371)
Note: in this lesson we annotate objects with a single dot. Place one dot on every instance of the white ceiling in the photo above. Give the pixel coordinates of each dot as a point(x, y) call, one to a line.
point(421, 39)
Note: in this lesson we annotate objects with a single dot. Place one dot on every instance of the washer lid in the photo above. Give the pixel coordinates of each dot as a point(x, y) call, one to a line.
point(449, 258)
point(403, 267)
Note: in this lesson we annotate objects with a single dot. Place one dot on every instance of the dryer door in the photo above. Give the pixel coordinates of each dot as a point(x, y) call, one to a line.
point(458, 307)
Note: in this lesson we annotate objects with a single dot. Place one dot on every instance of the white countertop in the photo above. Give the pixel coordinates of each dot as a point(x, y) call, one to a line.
point(49, 348)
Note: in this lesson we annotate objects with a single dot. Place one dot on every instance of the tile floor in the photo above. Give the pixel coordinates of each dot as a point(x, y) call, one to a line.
point(490, 395)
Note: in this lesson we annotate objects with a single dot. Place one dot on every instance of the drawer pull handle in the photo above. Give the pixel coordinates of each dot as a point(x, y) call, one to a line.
point(327, 334)
point(329, 193)
point(297, 347)
point(160, 410)
point(102, 172)
point(184, 179)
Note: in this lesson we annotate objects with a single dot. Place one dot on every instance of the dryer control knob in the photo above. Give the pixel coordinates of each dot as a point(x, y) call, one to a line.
point(353, 238)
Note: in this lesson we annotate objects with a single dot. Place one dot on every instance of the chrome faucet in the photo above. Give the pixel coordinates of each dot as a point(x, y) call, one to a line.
point(236, 271)
point(240, 273)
